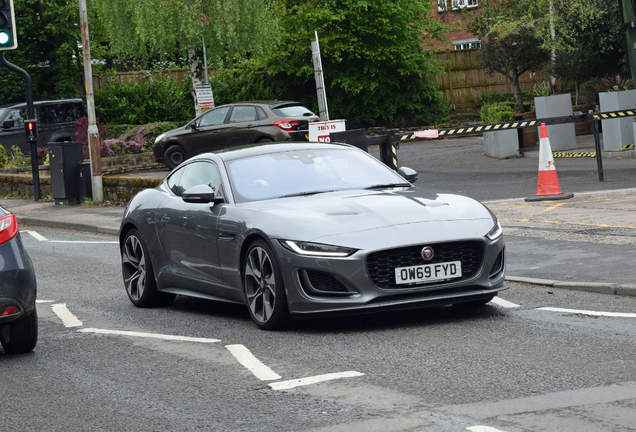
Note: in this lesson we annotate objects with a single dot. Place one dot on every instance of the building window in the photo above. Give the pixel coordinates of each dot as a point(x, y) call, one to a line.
point(442, 5)
point(467, 44)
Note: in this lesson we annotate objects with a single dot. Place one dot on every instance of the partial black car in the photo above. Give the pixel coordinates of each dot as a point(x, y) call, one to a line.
point(56, 122)
point(232, 125)
point(18, 289)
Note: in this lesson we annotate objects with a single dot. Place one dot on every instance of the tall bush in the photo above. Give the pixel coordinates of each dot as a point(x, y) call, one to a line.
point(153, 99)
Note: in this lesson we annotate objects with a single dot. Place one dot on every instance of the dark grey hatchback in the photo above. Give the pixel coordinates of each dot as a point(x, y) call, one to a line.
point(234, 125)
point(18, 317)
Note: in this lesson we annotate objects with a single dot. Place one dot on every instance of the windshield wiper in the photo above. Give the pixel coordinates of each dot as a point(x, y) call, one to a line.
point(304, 194)
point(388, 185)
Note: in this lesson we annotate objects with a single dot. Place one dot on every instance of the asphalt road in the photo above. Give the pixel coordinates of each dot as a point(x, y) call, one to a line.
point(510, 366)
point(458, 165)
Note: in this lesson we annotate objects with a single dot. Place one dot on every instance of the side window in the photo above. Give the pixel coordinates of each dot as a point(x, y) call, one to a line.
point(173, 182)
point(69, 112)
point(48, 114)
point(243, 114)
point(261, 113)
point(214, 118)
point(194, 174)
point(18, 115)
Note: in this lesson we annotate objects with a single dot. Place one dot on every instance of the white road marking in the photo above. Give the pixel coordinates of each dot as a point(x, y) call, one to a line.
point(45, 301)
point(483, 429)
point(68, 319)
point(42, 238)
point(254, 365)
point(285, 385)
point(593, 313)
point(149, 335)
point(36, 235)
point(503, 303)
point(83, 242)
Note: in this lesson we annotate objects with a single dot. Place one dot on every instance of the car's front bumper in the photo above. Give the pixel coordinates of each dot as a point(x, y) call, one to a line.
point(362, 295)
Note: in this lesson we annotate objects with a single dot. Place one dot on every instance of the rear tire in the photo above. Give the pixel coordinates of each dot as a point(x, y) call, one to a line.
point(139, 278)
point(264, 290)
point(173, 156)
point(265, 140)
point(22, 335)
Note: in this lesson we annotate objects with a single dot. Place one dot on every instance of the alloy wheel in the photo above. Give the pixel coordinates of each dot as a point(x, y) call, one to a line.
point(134, 267)
point(260, 284)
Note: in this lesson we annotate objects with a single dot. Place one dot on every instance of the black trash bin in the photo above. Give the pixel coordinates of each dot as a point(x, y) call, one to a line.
point(85, 179)
point(64, 157)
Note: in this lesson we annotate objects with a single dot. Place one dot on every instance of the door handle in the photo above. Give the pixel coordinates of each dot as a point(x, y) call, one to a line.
point(216, 131)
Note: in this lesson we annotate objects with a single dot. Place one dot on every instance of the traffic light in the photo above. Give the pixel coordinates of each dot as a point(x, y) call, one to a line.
point(8, 38)
point(31, 129)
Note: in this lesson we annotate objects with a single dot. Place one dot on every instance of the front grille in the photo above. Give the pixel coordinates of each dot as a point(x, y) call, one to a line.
point(381, 265)
point(321, 281)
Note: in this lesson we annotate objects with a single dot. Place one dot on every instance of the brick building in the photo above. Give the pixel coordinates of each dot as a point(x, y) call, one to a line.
point(449, 12)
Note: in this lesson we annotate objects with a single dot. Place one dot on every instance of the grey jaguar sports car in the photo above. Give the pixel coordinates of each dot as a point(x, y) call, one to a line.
point(307, 229)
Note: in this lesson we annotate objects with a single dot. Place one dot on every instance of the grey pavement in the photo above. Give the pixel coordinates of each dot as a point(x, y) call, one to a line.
point(586, 243)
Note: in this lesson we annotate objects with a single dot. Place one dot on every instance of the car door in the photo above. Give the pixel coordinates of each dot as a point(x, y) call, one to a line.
point(243, 125)
point(188, 232)
point(14, 135)
point(209, 132)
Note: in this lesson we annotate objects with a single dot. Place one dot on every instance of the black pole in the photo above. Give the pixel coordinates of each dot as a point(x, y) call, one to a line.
point(597, 144)
point(31, 115)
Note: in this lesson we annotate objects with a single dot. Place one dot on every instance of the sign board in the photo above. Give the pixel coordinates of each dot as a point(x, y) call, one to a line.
point(319, 131)
point(205, 98)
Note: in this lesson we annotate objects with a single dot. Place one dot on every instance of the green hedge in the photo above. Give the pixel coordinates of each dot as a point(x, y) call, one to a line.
point(154, 99)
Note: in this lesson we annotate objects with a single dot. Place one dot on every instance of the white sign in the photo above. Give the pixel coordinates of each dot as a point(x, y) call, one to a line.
point(205, 98)
point(319, 131)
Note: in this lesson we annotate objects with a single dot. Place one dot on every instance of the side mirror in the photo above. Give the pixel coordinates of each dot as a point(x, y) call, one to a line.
point(201, 194)
point(193, 125)
point(8, 124)
point(408, 174)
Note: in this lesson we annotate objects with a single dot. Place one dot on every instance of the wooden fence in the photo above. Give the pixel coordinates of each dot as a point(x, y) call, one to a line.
point(464, 83)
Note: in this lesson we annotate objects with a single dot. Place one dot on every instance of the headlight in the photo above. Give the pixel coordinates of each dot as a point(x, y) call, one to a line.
point(316, 249)
point(496, 232)
point(159, 138)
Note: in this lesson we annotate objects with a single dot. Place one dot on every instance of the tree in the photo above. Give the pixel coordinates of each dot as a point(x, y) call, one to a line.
point(172, 30)
point(513, 51)
point(48, 49)
point(373, 57)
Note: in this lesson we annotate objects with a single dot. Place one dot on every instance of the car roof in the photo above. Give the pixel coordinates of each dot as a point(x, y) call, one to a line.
point(56, 101)
point(269, 148)
point(268, 103)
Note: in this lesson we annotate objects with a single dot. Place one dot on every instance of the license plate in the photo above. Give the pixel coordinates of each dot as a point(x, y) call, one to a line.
point(428, 272)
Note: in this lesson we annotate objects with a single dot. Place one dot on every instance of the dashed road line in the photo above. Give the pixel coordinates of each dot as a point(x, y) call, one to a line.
point(483, 429)
point(149, 335)
point(592, 313)
point(45, 301)
point(286, 385)
point(68, 319)
point(503, 303)
point(251, 363)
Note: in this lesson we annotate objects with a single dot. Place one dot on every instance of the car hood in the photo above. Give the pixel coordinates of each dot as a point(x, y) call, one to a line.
point(360, 218)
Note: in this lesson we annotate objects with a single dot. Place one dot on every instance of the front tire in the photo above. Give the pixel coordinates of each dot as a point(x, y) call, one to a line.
point(139, 278)
point(173, 156)
point(264, 290)
point(22, 335)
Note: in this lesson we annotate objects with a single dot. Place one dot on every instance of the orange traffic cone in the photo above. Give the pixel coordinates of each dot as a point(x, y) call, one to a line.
point(548, 185)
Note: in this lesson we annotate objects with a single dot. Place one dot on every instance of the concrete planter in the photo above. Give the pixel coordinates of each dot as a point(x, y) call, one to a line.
point(617, 132)
point(562, 137)
point(501, 144)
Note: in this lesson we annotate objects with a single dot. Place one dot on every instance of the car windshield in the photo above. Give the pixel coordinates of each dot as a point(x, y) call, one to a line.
point(293, 111)
point(307, 172)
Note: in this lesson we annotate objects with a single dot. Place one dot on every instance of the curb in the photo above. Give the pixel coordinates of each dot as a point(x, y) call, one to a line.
point(596, 287)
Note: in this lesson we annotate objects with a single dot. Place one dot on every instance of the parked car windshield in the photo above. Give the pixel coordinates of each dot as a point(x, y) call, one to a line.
point(308, 172)
point(293, 111)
